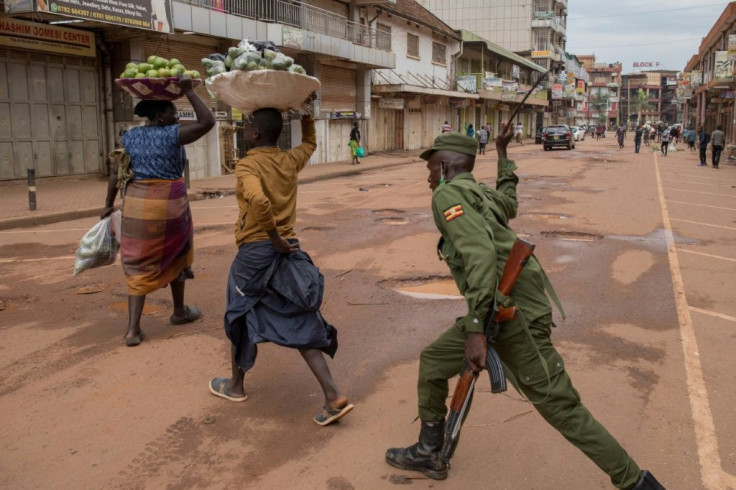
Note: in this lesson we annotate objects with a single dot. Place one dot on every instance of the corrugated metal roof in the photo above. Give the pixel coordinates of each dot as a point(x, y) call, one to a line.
point(468, 36)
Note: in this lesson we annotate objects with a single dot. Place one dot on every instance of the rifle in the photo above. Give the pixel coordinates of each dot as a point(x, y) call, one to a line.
point(518, 257)
point(518, 106)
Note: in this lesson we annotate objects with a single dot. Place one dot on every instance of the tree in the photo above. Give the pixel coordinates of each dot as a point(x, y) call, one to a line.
point(599, 102)
point(641, 103)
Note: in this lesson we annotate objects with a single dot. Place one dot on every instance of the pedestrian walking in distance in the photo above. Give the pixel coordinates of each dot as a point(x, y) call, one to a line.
point(620, 135)
point(665, 138)
point(446, 128)
point(473, 221)
point(718, 141)
point(520, 134)
point(703, 139)
point(274, 291)
point(638, 132)
point(482, 140)
point(157, 242)
point(355, 142)
point(470, 131)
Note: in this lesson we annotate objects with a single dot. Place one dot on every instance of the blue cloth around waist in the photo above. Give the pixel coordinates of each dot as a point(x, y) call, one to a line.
point(274, 297)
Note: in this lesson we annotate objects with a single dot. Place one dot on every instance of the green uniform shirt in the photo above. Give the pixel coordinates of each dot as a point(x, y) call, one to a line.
point(476, 241)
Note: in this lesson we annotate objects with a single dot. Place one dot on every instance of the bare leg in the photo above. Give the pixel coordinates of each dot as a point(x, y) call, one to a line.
point(235, 383)
point(135, 309)
point(177, 296)
point(316, 361)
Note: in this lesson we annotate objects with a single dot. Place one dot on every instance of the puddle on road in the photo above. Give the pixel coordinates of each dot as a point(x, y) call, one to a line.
point(433, 289)
point(548, 215)
point(148, 309)
point(389, 216)
point(392, 221)
point(573, 236)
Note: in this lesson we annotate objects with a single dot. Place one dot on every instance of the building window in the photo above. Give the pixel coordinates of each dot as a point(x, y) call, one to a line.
point(439, 53)
point(541, 40)
point(383, 37)
point(412, 45)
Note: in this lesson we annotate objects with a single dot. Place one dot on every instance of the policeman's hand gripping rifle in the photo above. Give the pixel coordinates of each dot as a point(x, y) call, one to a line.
point(518, 257)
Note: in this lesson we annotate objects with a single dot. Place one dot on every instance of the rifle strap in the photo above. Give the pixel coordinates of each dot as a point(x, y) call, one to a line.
point(551, 292)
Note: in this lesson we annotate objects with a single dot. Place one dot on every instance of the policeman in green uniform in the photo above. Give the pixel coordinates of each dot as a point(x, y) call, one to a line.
point(476, 240)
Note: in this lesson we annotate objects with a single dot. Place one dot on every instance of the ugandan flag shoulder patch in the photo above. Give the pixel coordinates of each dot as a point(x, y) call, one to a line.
point(453, 212)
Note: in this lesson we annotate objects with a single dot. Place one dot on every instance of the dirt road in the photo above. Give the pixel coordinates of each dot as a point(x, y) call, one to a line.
point(614, 230)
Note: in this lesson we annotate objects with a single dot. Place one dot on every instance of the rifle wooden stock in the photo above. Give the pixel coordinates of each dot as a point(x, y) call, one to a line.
point(518, 257)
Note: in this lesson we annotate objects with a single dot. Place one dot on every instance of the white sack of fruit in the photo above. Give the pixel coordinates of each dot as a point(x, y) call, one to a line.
point(250, 79)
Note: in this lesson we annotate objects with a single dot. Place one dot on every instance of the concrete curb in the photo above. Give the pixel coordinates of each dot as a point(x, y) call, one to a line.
point(193, 195)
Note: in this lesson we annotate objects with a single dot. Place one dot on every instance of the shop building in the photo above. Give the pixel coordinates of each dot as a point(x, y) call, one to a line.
point(711, 73)
point(659, 91)
point(61, 113)
point(411, 101)
point(603, 91)
point(501, 79)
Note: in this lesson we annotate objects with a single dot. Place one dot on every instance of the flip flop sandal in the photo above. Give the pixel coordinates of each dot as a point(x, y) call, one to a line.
point(191, 315)
point(218, 387)
point(133, 341)
point(328, 416)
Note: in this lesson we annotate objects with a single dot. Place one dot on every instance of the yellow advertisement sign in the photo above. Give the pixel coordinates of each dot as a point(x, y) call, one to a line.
point(44, 37)
point(541, 54)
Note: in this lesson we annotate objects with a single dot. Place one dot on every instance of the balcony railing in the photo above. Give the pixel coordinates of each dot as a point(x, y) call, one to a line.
point(307, 17)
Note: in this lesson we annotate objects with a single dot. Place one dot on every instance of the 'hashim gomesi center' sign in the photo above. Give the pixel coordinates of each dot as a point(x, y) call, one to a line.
point(36, 36)
point(154, 15)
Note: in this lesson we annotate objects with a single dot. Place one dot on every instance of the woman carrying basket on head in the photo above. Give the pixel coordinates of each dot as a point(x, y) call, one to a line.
point(157, 230)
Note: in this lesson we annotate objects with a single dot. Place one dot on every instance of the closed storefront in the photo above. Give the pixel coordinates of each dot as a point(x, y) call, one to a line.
point(386, 126)
point(338, 88)
point(50, 116)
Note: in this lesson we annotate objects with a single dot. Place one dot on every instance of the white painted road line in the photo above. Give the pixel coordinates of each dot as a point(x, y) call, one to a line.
point(719, 257)
point(703, 192)
point(713, 313)
point(702, 205)
point(706, 441)
point(703, 224)
point(697, 183)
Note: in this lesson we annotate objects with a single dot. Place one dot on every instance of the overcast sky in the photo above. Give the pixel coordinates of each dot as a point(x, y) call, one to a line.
point(668, 31)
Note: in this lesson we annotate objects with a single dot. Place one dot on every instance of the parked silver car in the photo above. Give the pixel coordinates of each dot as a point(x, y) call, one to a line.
point(577, 133)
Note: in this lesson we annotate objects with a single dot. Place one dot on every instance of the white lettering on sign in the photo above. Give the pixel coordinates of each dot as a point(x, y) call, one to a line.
point(647, 64)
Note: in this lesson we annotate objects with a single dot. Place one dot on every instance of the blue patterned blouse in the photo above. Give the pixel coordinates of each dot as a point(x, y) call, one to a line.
point(155, 152)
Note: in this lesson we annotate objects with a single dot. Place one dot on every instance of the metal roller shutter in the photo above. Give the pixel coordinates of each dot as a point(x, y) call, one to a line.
point(190, 55)
point(338, 88)
point(49, 115)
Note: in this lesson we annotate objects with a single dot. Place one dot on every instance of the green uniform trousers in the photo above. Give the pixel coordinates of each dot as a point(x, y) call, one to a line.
point(555, 398)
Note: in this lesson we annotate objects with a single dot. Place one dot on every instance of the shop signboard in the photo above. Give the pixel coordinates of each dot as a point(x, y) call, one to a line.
point(581, 87)
point(556, 91)
point(467, 83)
point(391, 104)
point(344, 115)
point(723, 69)
point(35, 36)
point(542, 54)
point(510, 87)
point(732, 47)
point(152, 15)
point(569, 91)
point(696, 77)
point(490, 83)
point(515, 72)
point(292, 37)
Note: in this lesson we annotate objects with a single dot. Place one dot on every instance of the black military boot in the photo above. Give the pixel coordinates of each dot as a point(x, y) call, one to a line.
point(647, 482)
point(424, 456)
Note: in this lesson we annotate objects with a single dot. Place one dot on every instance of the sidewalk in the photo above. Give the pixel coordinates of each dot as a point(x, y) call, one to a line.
point(67, 198)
